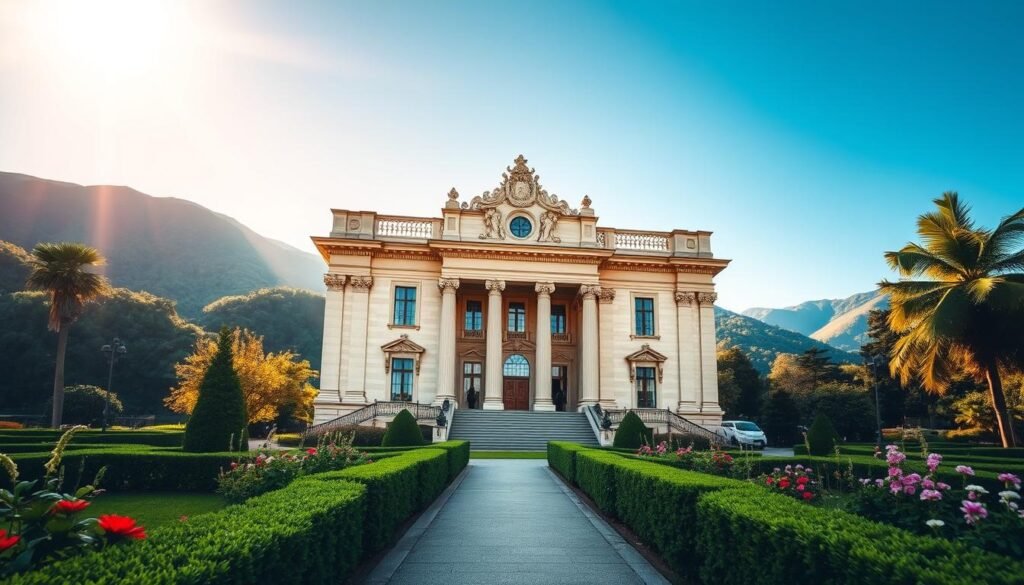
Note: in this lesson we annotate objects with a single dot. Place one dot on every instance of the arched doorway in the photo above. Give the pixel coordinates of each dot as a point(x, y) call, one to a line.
point(516, 384)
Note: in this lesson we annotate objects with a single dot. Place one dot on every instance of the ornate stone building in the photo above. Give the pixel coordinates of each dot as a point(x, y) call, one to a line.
point(515, 300)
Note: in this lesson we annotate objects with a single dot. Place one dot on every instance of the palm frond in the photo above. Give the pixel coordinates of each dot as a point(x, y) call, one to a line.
point(914, 260)
point(1008, 235)
point(59, 269)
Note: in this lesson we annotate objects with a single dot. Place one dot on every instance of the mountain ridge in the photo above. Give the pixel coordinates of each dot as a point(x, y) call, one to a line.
point(839, 322)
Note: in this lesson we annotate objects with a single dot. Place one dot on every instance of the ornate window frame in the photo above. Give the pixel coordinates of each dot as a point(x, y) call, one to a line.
point(646, 356)
point(524, 214)
point(417, 307)
point(403, 347)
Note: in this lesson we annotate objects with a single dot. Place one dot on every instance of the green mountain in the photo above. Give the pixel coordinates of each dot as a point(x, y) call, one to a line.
point(169, 247)
point(842, 323)
point(763, 342)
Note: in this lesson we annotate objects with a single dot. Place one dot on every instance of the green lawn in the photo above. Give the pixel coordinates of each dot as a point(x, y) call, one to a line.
point(508, 455)
point(151, 509)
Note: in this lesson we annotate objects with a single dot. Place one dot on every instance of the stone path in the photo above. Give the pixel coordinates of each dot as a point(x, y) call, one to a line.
point(511, 522)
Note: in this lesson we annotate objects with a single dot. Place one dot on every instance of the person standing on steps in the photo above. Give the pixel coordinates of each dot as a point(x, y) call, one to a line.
point(471, 397)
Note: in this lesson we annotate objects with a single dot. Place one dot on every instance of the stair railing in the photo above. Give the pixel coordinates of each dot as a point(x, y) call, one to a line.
point(372, 411)
point(672, 420)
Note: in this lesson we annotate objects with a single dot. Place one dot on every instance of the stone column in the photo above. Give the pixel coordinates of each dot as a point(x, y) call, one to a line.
point(492, 374)
point(588, 346)
point(606, 347)
point(542, 373)
point(688, 334)
point(446, 343)
point(355, 385)
point(707, 399)
point(330, 361)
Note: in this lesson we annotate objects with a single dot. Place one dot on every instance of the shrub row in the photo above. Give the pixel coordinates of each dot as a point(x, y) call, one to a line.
point(562, 456)
point(154, 438)
point(728, 531)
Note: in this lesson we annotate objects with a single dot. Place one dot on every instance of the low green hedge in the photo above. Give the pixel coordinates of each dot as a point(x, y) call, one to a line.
point(595, 475)
point(562, 457)
point(154, 438)
point(130, 468)
point(458, 453)
point(756, 537)
point(396, 488)
point(308, 532)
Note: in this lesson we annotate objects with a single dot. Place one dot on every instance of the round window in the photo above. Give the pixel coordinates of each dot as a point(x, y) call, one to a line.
point(520, 227)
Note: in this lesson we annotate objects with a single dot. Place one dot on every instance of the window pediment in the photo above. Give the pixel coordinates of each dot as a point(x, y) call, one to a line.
point(402, 347)
point(646, 356)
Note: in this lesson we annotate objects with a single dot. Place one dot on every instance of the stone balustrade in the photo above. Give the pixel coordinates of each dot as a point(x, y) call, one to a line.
point(394, 227)
point(643, 241)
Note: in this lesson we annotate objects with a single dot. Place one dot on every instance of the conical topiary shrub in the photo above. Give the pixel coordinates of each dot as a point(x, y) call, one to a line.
point(219, 418)
point(632, 432)
point(822, 436)
point(403, 431)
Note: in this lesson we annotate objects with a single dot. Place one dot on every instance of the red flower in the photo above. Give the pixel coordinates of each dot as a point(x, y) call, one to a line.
point(7, 542)
point(234, 465)
point(769, 481)
point(784, 483)
point(808, 495)
point(311, 451)
point(121, 526)
point(69, 507)
point(802, 480)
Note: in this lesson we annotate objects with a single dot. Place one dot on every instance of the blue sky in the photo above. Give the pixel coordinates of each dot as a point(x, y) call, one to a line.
point(807, 135)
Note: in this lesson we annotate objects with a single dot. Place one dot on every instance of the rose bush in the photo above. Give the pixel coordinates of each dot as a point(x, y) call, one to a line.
point(712, 460)
point(794, 481)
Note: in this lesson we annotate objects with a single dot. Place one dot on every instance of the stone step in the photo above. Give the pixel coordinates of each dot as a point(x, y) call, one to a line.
point(519, 430)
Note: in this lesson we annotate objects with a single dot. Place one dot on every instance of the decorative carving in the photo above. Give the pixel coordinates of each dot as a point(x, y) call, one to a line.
point(685, 298)
point(353, 225)
point(606, 295)
point(707, 298)
point(493, 228)
point(453, 199)
point(446, 284)
point(520, 187)
point(335, 281)
point(548, 223)
point(495, 286)
point(401, 347)
point(646, 355)
point(544, 288)
point(589, 290)
point(585, 204)
point(361, 283)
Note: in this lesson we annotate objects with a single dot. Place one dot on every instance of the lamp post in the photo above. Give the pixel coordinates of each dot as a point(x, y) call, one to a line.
point(113, 351)
point(876, 364)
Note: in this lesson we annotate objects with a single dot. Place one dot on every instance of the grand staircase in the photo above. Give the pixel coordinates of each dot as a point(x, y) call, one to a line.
point(513, 430)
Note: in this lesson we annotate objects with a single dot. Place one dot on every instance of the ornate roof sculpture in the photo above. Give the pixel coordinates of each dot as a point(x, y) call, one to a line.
point(520, 187)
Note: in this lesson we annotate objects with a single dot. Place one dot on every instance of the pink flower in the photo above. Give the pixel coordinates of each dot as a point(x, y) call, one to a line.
point(1009, 478)
point(879, 482)
point(933, 461)
point(911, 479)
point(942, 486)
point(927, 484)
point(910, 490)
point(964, 470)
point(895, 471)
point(931, 495)
point(973, 511)
point(895, 487)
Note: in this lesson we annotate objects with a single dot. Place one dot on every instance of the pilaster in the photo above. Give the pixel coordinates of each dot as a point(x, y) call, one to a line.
point(708, 397)
point(542, 373)
point(355, 387)
point(446, 342)
point(689, 349)
point(589, 391)
point(330, 360)
point(606, 347)
point(493, 399)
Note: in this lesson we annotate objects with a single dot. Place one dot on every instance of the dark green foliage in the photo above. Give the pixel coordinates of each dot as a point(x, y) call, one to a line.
point(822, 437)
point(403, 431)
point(84, 404)
point(595, 475)
point(738, 378)
point(287, 318)
point(268, 539)
point(14, 268)
point(458, 456)
point(779, 419)
point(756, 537)
point(47, 437)
point(218, 419)
point(362, 436)
point(632, 432)
point(679, 441)
point(847, 406)
point(562, 458)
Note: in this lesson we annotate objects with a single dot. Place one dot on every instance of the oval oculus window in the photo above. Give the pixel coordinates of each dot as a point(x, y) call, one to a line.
point(520, 227)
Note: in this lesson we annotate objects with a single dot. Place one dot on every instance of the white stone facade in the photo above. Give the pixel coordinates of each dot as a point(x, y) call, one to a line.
point(629, 314)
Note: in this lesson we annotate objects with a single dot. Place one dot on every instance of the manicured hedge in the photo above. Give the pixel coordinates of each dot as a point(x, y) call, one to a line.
point(154, 438)
point(755, 537)
point(562, 457)
point(396, 488)
point(308, 532)
point(131, 468)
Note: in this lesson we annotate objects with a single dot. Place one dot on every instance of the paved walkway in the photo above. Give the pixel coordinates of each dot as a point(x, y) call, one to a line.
point(511, 522)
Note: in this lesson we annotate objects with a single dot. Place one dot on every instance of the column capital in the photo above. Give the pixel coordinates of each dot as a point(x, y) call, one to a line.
point(335, 281)
point(360, 283)
point(544, 288)
point(590, 291)
point(494, 286)
point(707, 298)
point(684, 297)
point(447, 284)
point(606, 295)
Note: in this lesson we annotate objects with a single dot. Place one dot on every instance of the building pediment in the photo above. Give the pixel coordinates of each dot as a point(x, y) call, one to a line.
point(644, 356)
point(403, 346)
point(520, 188)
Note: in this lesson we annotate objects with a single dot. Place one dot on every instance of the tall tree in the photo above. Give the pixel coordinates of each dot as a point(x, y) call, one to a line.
point(60, 270)
point(735, 367)
point(960, 303)
point(218, 419)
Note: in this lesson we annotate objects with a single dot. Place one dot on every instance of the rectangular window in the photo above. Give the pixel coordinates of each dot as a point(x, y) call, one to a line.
point(472, 380)
point(474, 316)
point(644, 316)
point(401, 379)
point(517, 317)
point(646, 388)
point(405, 305)
point(558, 318)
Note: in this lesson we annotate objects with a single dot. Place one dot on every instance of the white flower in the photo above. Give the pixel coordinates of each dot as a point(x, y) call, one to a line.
point(935, 523)
point(976, 489)
point(1009, 495)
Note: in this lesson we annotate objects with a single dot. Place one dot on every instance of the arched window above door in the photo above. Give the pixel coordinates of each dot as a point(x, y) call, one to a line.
point(516, 366)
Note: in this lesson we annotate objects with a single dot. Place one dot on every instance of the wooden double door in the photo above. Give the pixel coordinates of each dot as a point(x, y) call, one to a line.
point(516, 393)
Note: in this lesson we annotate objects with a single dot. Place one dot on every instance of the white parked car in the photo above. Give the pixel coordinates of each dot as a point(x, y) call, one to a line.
point(743, 434)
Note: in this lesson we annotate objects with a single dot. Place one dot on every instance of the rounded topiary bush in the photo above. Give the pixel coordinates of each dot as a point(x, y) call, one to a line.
point(218, 421)
point(84, 405)
point(403, 431)
point(822, 436)
point(632, 432)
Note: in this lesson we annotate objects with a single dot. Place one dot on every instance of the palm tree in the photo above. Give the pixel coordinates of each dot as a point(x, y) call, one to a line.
point(59, 269)
point(966, 312)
